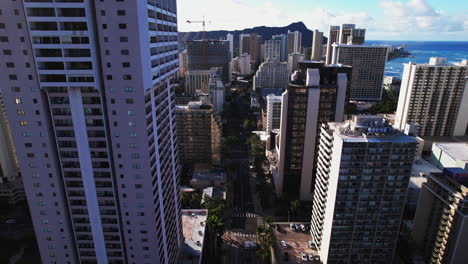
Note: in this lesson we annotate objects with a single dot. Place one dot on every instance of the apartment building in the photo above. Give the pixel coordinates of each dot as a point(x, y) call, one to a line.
point(204, 55)
point(317, 43)
point(315, 95)
point(364, 167)
point(294, 42)
point(368, 62)
point(344, 34)
point(434, 96)
point(441, 221)
point(271, 74)
point(273, 110)
point(89, 96)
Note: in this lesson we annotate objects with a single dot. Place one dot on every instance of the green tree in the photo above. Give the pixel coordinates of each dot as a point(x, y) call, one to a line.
point(295, 207)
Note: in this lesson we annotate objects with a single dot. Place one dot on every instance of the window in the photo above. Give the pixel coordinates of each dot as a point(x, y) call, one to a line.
point(10, 65)
point(131, 124)
point(23, 123)
point(128, 89)
point(123, 26)
point(13, 77)
point(131, 112)
point(126, 64)
point(6, 51)
point(129, 101)
point(104, 26)
point(121, 12)
point(123, 39)
point(4, 39)
point(124, 52)
point(127, 77)
point(2, 25)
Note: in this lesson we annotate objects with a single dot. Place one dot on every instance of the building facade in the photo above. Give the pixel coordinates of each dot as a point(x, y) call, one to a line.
point(294, 42)
point(230, 39)
point(198, 134)
point(364, 167)
point(315, 95)
point(450, 155)
point(435, 97)
point(271, 74)
point(441, 221)
point(90, 103)
point(273, 109)
point(293, 61)
point(283, 38)
point(216, 90)
point(368, 64)
point(344, 34)
point(196, 81)
point(272, 50)
point(204, 55)
point(317, 43)
point(241, 65)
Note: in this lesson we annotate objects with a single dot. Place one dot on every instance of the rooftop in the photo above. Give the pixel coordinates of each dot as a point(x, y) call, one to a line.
point(193, 225)
point(458, 151)
point(421, 166)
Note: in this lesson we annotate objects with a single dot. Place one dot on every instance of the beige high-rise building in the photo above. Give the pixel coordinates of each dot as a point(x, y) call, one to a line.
point(317, 42)
point(198, 133)
point(241, 65)
point(434, 97)
point(293, 42)
point(271, 74)
point(441, 220)
point(272, 50)
point(293, 60)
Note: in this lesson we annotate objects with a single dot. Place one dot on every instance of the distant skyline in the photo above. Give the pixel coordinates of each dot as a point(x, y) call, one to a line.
point(438, 20)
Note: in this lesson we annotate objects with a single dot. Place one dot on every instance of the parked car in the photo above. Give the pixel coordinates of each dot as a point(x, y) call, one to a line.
point(297, 227)
point(283, 244)
point(303, 228)
point(303, 256)
point(277, 226)
point(311, 257)
point(292, 226)
point(311, 244)
point(317, 257)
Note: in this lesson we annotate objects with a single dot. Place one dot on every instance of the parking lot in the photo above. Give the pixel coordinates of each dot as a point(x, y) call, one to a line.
point(297, 242)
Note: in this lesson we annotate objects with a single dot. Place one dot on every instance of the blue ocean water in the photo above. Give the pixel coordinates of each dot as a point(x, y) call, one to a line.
point(454, 51)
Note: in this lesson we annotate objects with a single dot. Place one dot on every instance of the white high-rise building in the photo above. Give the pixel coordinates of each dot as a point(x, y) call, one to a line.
point(364, 168)
point(230, 38)
point(88, 89)
point(273, 120)
point(283, 38)
point(294, 42)
point(434, 96)
point(344, 34)
point(272, 50)
point(271, 74)
point(216, 90)
point(293, 60)
point(241, 65)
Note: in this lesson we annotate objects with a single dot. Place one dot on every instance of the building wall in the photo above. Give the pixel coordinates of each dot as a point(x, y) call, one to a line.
point(428, 88)
point(99, 175)
point(271, 75)
point(317, 46)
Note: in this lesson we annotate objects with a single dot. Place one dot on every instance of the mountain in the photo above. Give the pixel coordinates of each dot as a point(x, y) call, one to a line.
point(265, 32)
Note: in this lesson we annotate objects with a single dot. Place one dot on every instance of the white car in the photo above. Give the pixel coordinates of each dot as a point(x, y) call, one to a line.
point(303, 256)
point(283, 244)
point(292, 226)
point(311, 244)
point(303, 228)
point(311, 257)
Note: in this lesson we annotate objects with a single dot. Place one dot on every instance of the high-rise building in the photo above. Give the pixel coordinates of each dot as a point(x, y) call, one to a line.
point(368, 62)
point(250, 44)
point(182, 63)
point(344, 34)
point(294, 42)
point(230, 39)
point(244, 43)
point(450, 155)
point(317, 42)
point(333, 36)
point(204, 55)
point(273, 109)
point(216, 90)
point(293, 61)
point(315, 95)
point(272, 50)
point(241, 65)
point(441, 220)
point(198, 134)
point(271, 74)
point(435, 97)
point(89, 96)
point(364, 167)
point(196, 81)
point(283, 38)
point(349, 34)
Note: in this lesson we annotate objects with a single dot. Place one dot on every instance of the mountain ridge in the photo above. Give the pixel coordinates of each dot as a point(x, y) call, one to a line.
point(264, 31)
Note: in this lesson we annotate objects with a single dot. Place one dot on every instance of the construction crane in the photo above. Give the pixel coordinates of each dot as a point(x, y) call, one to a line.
point(203, 22)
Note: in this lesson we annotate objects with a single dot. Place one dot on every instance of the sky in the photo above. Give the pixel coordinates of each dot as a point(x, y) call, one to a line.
point(440, 20)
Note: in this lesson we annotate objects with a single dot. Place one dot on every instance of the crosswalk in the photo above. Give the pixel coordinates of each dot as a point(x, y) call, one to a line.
point(243, 214)
point(240, 234)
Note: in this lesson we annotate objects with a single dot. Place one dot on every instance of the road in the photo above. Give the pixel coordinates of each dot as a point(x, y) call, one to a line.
point(243, 217)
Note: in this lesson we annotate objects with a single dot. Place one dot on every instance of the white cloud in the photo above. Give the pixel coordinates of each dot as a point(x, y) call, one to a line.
point(405, 18)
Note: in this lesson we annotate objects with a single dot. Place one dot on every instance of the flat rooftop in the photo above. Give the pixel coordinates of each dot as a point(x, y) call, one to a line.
point(193, 225)
point(457, 151)
point(422, 166)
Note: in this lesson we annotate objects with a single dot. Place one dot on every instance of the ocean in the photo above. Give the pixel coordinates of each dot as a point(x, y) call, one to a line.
point(454, 51)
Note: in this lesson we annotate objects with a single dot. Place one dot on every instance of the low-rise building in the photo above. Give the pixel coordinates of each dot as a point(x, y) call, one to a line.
point(194, 227)
point(450, 155)
point(203, 178)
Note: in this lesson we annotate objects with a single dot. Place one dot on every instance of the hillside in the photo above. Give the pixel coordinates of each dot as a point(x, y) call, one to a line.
point(265, 32)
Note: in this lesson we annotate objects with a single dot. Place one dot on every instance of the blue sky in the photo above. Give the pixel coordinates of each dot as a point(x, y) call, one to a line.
point(383, 19)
